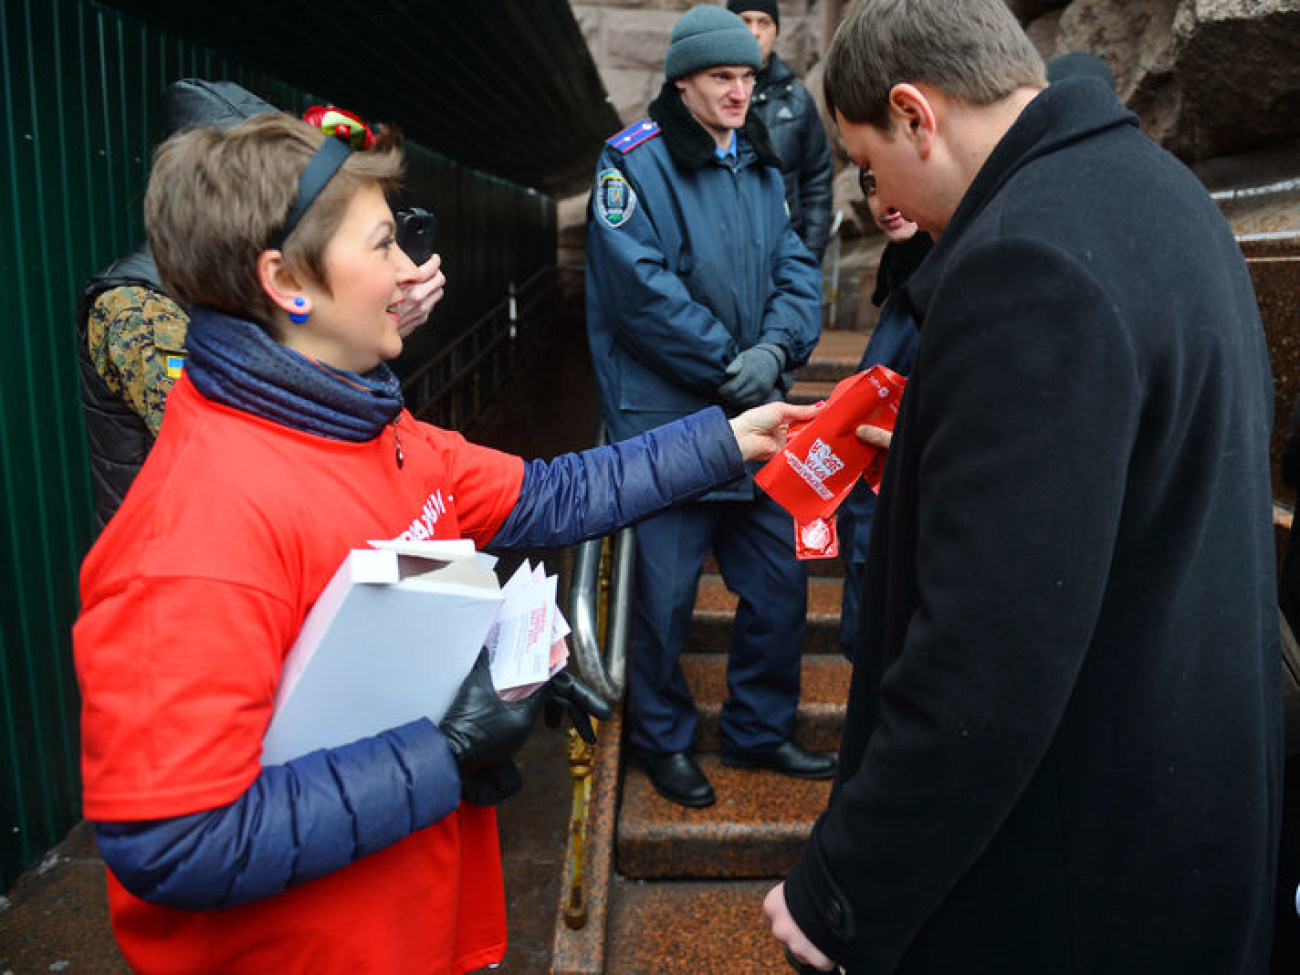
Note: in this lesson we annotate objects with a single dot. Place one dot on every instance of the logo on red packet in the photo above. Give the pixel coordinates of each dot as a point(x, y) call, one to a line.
point(820, 464)
point(817, 539)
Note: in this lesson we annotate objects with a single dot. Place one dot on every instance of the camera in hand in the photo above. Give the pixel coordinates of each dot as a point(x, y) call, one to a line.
point(415, 233)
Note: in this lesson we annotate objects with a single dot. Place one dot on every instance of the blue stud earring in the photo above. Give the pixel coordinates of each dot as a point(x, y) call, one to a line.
point(298, 317)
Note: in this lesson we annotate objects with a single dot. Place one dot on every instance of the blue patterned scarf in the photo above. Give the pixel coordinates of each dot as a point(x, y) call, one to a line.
point(236, 363)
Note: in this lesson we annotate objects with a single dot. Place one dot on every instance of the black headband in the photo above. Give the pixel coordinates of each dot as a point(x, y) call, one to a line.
point(324, 164)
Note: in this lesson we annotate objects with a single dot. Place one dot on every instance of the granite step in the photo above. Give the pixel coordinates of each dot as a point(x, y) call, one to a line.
point(831, 567)
point(836, 356)
point(807, 391)
point(756, 828)
point(715, 611)
point(691, 929)
point(822, 699)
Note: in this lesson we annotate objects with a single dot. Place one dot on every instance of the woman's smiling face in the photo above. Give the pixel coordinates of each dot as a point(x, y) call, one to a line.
point(354, 325)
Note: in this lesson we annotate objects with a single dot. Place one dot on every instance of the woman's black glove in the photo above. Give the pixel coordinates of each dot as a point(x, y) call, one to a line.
point(564, 692)
point(482, 729)
point(492, 784)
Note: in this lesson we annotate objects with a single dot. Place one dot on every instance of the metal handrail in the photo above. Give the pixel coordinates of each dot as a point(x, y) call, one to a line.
point(607, 672)
point(488, 348)
point(831, 295)
point(599, 592)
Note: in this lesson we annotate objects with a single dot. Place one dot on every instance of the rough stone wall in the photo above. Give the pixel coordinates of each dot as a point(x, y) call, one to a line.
point(1208, 78)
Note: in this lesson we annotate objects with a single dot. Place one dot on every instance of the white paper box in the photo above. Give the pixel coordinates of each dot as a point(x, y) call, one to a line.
point(390, 640)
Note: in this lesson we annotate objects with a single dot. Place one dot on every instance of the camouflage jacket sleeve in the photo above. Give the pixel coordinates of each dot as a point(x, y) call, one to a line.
point(137, 342)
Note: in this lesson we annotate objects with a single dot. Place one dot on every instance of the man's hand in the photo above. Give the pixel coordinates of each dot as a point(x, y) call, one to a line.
point(421, 290)
point(787, 932)
point(875, 436)
point(762, 431)
point(752, 376)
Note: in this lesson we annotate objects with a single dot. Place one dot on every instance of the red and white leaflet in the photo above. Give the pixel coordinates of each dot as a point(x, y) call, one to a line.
point(520, 644)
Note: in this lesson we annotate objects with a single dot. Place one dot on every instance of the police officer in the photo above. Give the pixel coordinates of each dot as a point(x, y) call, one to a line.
point(700, 293)
point(795, 127)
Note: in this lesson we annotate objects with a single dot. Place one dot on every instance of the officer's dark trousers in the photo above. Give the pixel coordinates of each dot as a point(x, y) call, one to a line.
point(754, 545)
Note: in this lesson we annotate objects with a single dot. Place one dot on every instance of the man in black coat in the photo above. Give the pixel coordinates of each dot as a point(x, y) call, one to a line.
point(1063, 746)
point(795, 127)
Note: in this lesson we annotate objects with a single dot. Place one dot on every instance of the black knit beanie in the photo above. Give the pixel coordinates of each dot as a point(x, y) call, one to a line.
point(768, 7)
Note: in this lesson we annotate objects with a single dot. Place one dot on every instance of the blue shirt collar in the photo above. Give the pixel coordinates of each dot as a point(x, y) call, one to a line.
point(728, 154)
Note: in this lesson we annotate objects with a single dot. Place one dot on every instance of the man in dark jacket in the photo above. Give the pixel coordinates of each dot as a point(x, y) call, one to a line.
point(130, 334)
point(1063, 745)
point(795, 127)
point(699, 293)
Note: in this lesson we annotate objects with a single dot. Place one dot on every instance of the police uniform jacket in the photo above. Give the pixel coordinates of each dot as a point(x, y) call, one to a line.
point(1062, 750)
point(690, 260)
point(794, 125)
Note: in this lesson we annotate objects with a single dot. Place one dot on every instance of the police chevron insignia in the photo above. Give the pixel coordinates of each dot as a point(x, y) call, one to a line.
point(615, 198)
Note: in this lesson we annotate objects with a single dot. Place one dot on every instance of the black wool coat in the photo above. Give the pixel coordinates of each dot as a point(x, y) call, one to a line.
point(1062, 750)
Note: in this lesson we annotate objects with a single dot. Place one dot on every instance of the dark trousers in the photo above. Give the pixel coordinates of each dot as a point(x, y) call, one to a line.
point(753, 542)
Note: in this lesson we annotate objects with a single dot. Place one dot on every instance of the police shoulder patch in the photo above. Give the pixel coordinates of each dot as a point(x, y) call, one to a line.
point(615, 198)
point(633, 135)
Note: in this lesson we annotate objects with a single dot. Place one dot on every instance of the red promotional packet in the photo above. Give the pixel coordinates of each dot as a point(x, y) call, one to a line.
point(819, 539)
point(823, 458)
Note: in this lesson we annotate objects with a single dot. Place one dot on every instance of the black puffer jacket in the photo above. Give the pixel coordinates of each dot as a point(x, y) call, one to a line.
point(795, 127)
point(118, 438)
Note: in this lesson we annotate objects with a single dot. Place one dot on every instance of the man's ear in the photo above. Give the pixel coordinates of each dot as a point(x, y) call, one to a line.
point(285, 288)
point(915, 110)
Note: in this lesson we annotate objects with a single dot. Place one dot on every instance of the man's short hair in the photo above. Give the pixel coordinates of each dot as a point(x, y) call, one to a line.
point(973, 50)
point(217, 197)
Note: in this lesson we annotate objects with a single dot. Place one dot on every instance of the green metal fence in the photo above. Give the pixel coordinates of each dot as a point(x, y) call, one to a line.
point(80, 87)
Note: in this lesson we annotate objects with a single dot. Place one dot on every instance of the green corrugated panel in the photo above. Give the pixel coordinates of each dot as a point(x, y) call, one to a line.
point(43, 485)
point(80, 86)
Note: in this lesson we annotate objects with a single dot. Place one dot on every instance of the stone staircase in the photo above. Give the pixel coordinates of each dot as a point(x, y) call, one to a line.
point(669, 889)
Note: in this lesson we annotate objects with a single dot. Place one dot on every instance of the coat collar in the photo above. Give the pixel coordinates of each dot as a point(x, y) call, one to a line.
point(1063, 113)
point(775, 72)
point(690, 145)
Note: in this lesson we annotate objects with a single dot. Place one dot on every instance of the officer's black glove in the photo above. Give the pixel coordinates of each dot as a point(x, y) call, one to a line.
point(482, 729)
point(564, 692)
point(491, 784)
point(752, 376)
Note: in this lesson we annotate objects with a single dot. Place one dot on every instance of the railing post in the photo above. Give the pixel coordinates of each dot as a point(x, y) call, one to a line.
point(832, 296)
point(581, 760)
